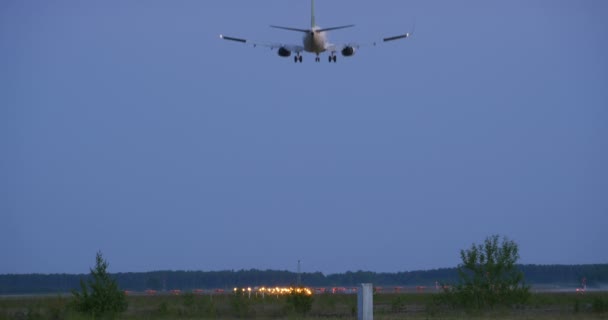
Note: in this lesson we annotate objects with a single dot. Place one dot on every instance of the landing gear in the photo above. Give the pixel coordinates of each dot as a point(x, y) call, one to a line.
point(317, 59)
point(333, 58)
point(297, 58)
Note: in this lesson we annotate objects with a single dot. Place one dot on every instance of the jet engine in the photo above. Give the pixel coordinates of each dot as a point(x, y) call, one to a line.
point(348, 51)
point(283, 52)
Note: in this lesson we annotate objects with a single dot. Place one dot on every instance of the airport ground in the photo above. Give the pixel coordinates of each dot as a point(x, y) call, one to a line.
point(388, 306)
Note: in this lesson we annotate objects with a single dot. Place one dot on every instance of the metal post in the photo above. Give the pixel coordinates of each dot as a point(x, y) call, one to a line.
point(365, 302)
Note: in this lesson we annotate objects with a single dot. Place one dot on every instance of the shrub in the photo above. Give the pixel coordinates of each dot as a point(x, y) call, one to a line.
point(489, 277)
point(300, 302)
point(599, 305)
point(241, 305)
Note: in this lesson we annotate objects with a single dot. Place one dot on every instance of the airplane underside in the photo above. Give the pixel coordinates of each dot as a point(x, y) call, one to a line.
point(316, 42)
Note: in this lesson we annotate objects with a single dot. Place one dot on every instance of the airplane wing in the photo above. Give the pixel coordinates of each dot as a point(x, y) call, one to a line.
point(350, 48)
point(399, 37)
point(290, 47)
point(375, 43)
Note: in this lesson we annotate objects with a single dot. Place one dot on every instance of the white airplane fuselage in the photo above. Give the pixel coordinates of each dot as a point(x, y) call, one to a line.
point(315, 42)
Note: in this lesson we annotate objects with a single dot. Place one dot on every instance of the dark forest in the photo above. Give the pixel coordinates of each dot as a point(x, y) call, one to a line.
point(539, 275)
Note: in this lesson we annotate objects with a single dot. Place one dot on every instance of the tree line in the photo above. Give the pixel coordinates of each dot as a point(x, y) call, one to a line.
point(566, 275)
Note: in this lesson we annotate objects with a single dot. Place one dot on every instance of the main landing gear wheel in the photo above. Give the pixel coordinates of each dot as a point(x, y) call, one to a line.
point(333, 59)
point(317, 59)
point(297, 59)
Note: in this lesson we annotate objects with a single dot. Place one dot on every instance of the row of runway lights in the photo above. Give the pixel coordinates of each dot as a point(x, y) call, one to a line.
point(277, 291)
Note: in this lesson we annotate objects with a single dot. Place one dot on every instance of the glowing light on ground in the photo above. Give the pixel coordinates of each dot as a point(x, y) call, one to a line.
point(274, 290)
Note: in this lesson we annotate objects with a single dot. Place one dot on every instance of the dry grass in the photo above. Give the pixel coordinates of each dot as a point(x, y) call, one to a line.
point(387, 307)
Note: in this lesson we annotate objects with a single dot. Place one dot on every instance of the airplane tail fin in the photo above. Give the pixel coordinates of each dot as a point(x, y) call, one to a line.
point(313, 23)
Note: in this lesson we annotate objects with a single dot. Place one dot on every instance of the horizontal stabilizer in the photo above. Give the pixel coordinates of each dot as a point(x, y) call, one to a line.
point(291, 29)
point(335, 28)
point(403, 36)
point(232, 39)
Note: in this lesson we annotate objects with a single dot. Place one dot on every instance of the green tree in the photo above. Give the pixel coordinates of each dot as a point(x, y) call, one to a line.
point(100, 295)
point(489, 276)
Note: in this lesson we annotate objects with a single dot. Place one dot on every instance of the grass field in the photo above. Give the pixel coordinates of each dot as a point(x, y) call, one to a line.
point(325, 306)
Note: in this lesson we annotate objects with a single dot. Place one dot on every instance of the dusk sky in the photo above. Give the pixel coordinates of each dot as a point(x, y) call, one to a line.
point(131, 128)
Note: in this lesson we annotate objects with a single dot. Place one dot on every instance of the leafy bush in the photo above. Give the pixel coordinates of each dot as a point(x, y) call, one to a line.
point(240, 304)
point(398, 304)
point(489, 277)
point(163, 309)
point(188, 300)
point(300, 302)
point(599, 305)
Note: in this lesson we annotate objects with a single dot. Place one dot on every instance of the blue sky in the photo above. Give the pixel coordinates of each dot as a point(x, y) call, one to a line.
point(131, 128)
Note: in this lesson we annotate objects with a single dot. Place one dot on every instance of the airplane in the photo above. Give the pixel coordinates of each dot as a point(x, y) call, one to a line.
point(315, 41)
